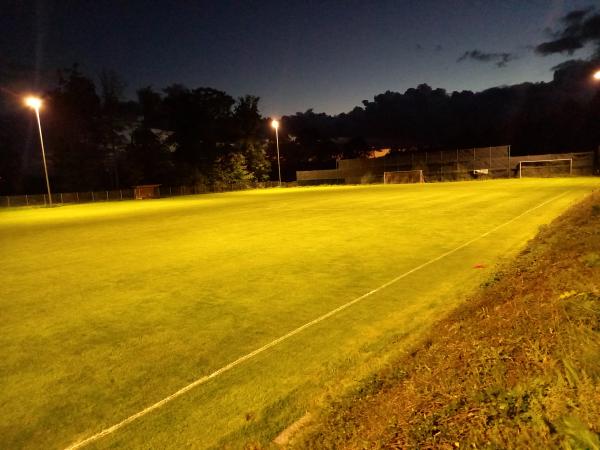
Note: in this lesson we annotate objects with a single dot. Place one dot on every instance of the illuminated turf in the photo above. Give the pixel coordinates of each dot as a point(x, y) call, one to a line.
point(108, 308)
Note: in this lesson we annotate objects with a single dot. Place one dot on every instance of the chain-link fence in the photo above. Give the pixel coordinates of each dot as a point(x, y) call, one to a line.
point(129, 194)
point(442, 165)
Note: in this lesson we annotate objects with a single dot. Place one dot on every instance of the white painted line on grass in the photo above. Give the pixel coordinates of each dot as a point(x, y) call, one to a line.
point(271, 344)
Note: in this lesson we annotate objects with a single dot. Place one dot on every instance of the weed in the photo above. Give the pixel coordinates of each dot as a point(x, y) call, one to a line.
point(592, 259)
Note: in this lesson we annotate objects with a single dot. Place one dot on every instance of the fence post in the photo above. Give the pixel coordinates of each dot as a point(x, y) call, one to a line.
point(77, 196)
point(508, 168)
point(61, 198)
point(571, 165)
point(120, 194)
point(93, 199)
point(106, 195)
point(26, 199)
point(456, 163)
point(44, 199)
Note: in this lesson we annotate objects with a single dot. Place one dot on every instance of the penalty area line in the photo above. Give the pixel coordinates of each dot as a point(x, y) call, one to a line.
point(280, 339)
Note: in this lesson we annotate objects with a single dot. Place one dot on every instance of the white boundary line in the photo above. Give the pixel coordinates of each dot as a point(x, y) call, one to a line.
point(273, 343)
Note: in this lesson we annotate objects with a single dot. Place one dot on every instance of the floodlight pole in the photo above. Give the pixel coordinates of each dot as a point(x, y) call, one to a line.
point(278, 164)
point(596, 77)
point(37, 114)
point(275, 124)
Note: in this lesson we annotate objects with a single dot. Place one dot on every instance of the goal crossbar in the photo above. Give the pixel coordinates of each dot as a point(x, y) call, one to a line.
point(547, 163)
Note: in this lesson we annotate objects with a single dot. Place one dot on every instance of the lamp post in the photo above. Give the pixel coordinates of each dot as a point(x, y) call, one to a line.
point(36, 103)
point(596, 77)
point(275, 124)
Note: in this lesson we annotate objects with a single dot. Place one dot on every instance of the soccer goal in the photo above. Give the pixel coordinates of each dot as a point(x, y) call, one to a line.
point(546, 168)
point(403, 176)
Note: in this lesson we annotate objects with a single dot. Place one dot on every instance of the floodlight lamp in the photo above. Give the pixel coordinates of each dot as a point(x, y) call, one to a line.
point(33, 102)
point(275, 123)
point(597, 75)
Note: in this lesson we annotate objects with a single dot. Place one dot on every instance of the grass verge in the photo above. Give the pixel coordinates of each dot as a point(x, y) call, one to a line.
point(517, 366)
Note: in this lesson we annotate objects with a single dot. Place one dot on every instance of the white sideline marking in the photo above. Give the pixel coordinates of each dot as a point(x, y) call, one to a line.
point(273, 343)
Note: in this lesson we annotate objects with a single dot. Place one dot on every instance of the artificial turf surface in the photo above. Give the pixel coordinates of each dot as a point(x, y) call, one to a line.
point(108, 308)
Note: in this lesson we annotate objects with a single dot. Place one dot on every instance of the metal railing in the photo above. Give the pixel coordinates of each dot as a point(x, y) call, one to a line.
point(128, 194)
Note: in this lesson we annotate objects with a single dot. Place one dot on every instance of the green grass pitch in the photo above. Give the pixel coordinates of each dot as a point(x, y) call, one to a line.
point(108, 308)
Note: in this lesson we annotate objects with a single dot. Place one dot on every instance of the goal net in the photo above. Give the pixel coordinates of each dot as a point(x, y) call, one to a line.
point(403, 176)
point(546, 168)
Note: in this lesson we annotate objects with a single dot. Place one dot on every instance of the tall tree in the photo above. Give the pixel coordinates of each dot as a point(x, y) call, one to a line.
point(251, 142)
point(74, 133)
point(201, 122)
point(115, 121)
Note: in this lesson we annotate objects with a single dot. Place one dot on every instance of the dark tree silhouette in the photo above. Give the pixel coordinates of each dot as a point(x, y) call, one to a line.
point(181, 135)
point(74, 133)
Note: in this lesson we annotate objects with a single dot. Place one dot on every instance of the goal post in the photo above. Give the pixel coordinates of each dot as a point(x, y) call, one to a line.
point(544, 168)
point(403, 176)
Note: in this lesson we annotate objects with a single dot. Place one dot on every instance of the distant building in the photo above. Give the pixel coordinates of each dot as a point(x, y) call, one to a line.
point(380, 153)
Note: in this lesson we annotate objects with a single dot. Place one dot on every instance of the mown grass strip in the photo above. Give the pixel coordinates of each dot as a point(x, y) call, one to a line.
point(273, 343)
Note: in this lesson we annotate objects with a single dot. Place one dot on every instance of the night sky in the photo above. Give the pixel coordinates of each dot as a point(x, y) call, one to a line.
point(326, 55)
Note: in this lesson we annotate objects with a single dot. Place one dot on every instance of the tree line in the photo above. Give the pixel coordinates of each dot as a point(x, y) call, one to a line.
point(97, 139)
point(545, 117)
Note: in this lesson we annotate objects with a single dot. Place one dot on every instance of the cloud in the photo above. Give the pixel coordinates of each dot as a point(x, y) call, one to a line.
point(576, 15)
point(561, 45)
point(579, 28)
point(500, 59)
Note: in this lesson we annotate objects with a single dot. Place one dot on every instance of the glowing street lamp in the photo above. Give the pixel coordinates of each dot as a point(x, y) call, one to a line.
point(36, 103)
point(275, 124)
point(596, 77)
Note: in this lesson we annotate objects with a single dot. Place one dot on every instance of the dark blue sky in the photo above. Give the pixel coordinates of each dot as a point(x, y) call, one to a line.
point(295, 55)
